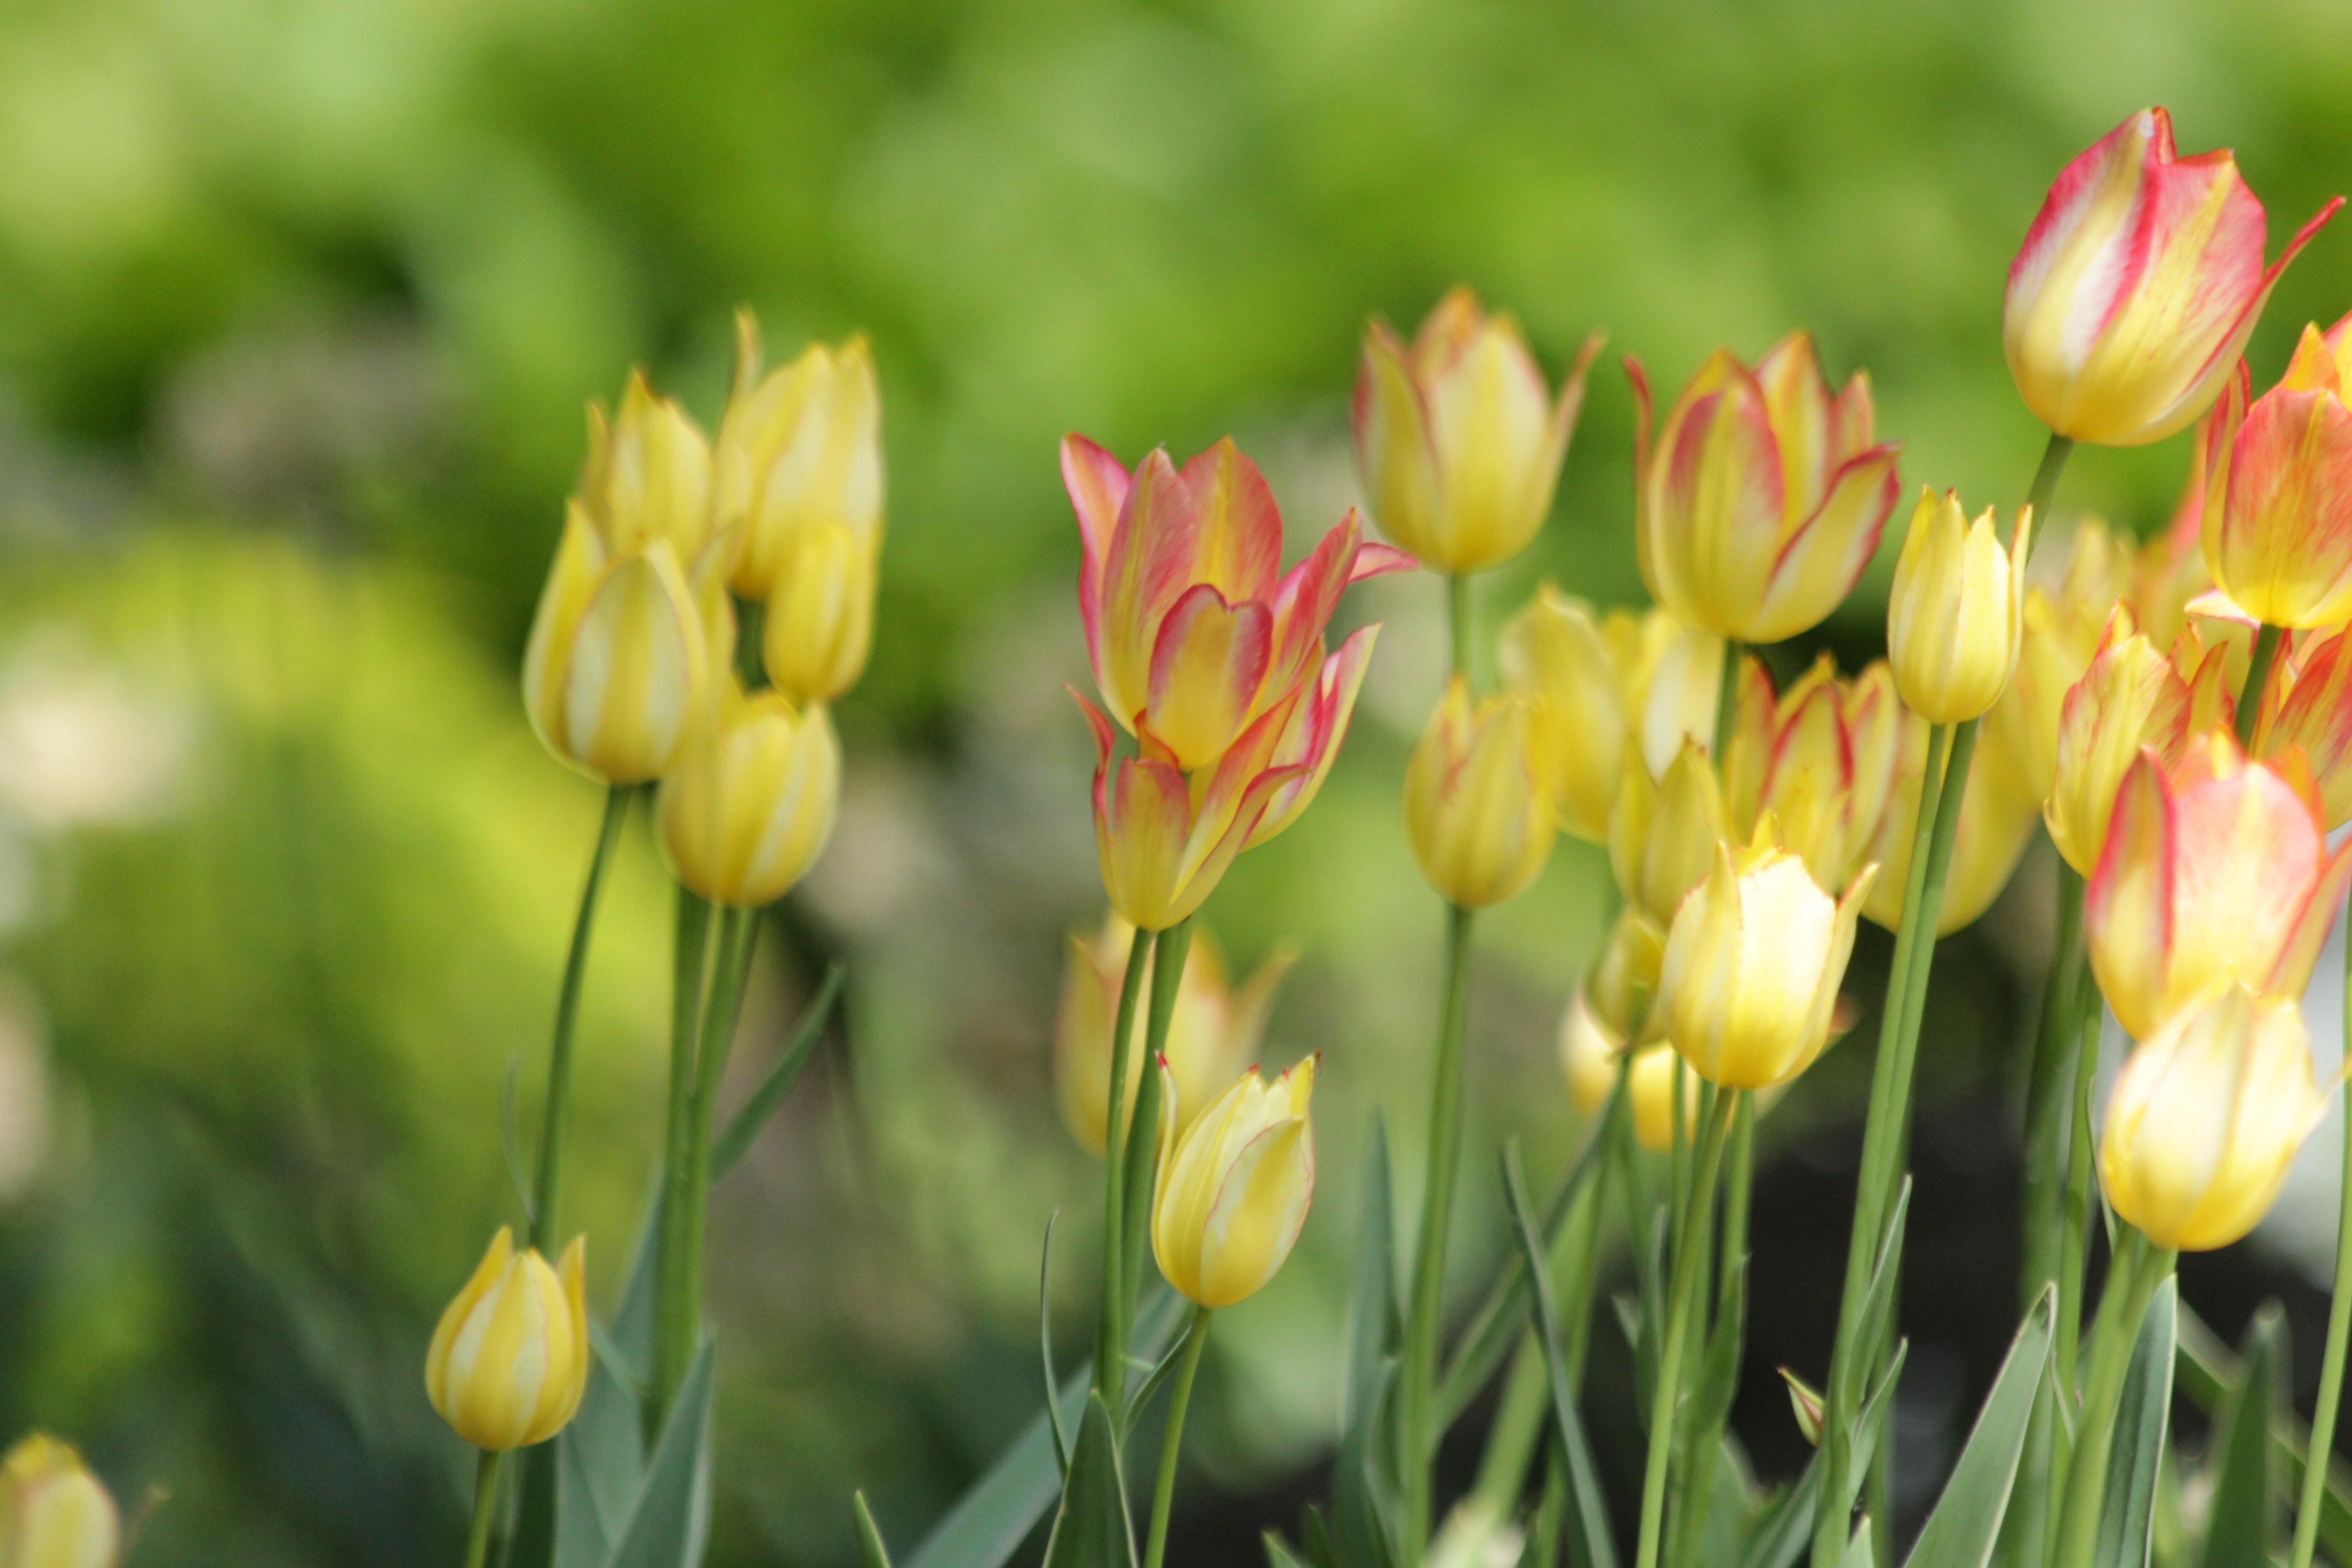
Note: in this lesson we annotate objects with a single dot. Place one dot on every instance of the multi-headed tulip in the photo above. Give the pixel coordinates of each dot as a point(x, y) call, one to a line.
point(1214, 1030)
point(1234, 1187)
point(1763, 497)
point(53, 1512)
point(615, 672)
point(2278, 489)
point(1753, 962)
point(2130, 697)
point(509, 1360)
point(1458, 442)
point(799, 449)
point(752, 801)
point(1818, 758)
point(1997, 818)
point(2307, 707)
point(2215, 869)
point(2060, 624)
point(1955, 615)
point(2207, 1116)
point(2137, 287)
point(1478, 796)
point(1554, 651)
point(1662, 835)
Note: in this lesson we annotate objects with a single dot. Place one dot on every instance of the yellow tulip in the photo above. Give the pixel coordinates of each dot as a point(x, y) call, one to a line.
point(819, 621)
point(1624, 978)
point(1477, 810)
point(799, 448)
point(1662, 835)
point(2060, 626)
point(1233, 1189)
point(1997, 818)
point(2130, 697)
point(2206, 1117)
point(1818, 758)
point(509, 1361)
point(1668, 677)
point(752, 800)
point(1590, 1052)
point(1753, 962)
point(1953, 620)
point(53, 1512)
point(1553, 651)
point(1213, 1033)
point(1458, 444)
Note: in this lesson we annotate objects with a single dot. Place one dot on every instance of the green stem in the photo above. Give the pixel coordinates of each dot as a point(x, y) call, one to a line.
point(2258, 676)
point(2339, 1327)
point(2073, 1248)
point(1681, 1297)
point(1110, 1332)
point(1458, 621)
point(2138, 1270)
point(2045, 1094)
point(485, 1509)
point(1703, 1445)
point(1179, 1398)
point(547, 1188)
point(673, 1332)
point(1426, 1309)
point(2044, 488)
point(739, 933)
point(1168, 958)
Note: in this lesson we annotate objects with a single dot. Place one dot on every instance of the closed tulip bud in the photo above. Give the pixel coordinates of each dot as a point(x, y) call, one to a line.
point(1806, 1403)
point(2278, 489)
point(1753, 964)
point(1649, 1083)
point(2138, 286)
point(1668, 677)
point(1997, 818)
point(647, 475)
point(1477, 810)
point(1590, 1053)
point(1233, 1188)
point(511, 1358)
point(53, 1512)
point(820, 620)
point(1626, 977)
point(800, 448)
point(1662, 835)
point(2215, 869)
point(2060, 628)
point(2307, 708)
point(1214, 1030)
point(1953, 620)
point(2206, 1117)
point(1553, 651)
point(752, 800)
point(1818, 758)
point(1763, 497)
point(2130, 697)
point(1458, 442)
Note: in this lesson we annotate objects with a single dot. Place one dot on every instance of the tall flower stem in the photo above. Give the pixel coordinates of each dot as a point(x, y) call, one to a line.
point(1458, 622)
point(1179, 1398)
point(689, 984)
point(1682, 1296)
point(1168, 952)
point(2074, 1238)
point(1110, 1332)
point(1423, 1318)
point(2044, 488)
point(2046, 1099)
point(2340, 1327)
point(548, 1182)
point(486, 1507)
point(2138, 1268)
point(2258, 677)
point(739, 931)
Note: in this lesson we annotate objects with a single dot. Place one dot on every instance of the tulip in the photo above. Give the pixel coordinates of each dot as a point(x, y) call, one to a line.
point(53, 1512)
point(2137, 287)
point(1662, 835)
point(1553, 651)
point(616, 670)
point(1753, 962)
point(1997, 818)
point(1590, 1052)
point(1457, 442)
point(1233, 1188)
point(1193, 634)
point(2215, 869)
point(2308, 708)
point(1819, 759)
point(1477, 804)
point(1954, 618)
point(799, 449)
point(1625, 976)
point(752, 801)
point(2206, 1117)
point(2169, 572)
point(2059, 628)
point(510, 1357)
point(819, 621)
point(2130, 697)
point(1763, 497)
point(1669, 678)
point(1214, 1030)
point(2278, 490)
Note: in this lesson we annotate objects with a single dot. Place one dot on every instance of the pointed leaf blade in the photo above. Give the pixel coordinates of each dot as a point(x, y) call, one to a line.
point(1966, 1523)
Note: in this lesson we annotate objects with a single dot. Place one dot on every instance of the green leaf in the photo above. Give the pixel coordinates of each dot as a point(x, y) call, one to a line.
point(671, 1516)
point(510, 1133)
point(2244, 1528)
point(1858, 1553)
point(1317, 1536)
point(871, 1551)
point(2141, 1419)
point(1365, 1475)
point(1045, 1347)
point(1595, 1546)
point(743, 1128)
point(1091, 1529)
point(1365, 1503)
point(1966, 1523)
point(600, 1460)
point(1373, 1329)
point(1878, 1300)
point(1278, 1553)
point(2206, 1369)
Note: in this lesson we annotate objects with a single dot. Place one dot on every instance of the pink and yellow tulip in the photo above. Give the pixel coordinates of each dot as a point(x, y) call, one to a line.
point(1821, 758)
point(2278, 498)
point(1478, 797)
point(1233, 1186)
point(2130, 698)
point(2307, 707)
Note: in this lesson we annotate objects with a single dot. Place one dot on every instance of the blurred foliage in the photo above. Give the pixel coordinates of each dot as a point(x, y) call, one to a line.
point(299, 301)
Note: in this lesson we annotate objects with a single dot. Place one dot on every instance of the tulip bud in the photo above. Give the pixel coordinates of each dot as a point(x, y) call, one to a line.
point(2137, 287)
point(1649, 1083)
point(1997, 818)
point(509, 1361)
point(1662, 836)
point(2130, 697)
point(1477, 810)
point(752, 800)
point(1953, 620)
point(1233, 1189)
point(2278, 496)
point(1753, 962)
point(2307, 707)
point(2215, 869)
point(1626, 977)
point(648, 476)
point(1806, 1401)
point(1554, 653)
point(53, 1512)
point(800, 448)
point(1457, 444)
point(1590, 1052)
point(820, 620)
point(2206, 1117)
point(1214, 1030)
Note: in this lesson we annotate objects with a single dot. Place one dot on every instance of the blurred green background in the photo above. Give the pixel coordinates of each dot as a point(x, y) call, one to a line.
point(301, 301)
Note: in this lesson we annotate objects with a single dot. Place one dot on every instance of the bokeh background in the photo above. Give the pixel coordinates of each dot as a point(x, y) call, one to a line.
point(301, 301)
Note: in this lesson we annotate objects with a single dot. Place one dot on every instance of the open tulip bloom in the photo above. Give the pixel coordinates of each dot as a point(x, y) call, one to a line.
point(2278, 498)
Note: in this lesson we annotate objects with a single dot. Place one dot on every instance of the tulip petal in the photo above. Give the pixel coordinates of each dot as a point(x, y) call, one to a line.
point(1258, 1211)
point(1206, 672)
point(1098, 483)
point(2283, 549)
point(1237, 535)
point(1310, 740)
point(2128, 907)
point(1825, 558)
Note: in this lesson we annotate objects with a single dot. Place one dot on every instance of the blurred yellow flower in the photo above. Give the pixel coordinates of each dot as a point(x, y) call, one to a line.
point(752, 801)
point(1953, 619)
point(1553, 651)
point(1233, 1189)
point(1997, 819)
point(1662, 835)
point(819, 626)
point(799, 449)
point(1624, 978)
point(2130, 697)
point(509, 1360)
point(1477, 810)
point(53, 1512)
point(1820, 758)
